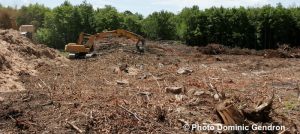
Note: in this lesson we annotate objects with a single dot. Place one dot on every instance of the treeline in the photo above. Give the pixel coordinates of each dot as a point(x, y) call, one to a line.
point(258, 28)
point(8, 17)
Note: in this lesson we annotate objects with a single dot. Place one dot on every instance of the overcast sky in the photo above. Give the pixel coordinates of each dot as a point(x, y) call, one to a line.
point(146, 7)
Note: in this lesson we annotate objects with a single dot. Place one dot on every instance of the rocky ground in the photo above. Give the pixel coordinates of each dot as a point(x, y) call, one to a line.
point(160, 91)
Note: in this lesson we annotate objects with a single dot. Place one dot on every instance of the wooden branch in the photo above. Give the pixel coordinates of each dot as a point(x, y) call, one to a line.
point(221, 95)
point(48, 103)
point(282, 132)
point(20, 124)
point(155, 80)
point(132, 113)
point(48, 87)
point(75, 127)
point(13, 119)
point(298, 87)
point(183, 122)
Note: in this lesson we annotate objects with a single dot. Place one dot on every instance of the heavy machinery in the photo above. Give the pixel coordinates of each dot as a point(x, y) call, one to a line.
point(27, 30)
point(86, 42)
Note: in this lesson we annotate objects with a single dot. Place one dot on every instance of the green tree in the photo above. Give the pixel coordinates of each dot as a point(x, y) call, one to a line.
point(182, 20)
point(258, 28)
point(241, 32)
point(274, 25)
point(33, 14)
point(160, 25)
point(239, 27)
point(50, 37)
point(107, 18)
point(86, 13)
point(132, 22)
point(62, 26)
point(197, 29)
point(296, 16)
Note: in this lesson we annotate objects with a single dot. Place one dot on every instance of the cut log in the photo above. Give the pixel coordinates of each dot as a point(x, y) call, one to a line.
point(174, 90)
point(184, 70)
point(229, 114)
point(122, 82)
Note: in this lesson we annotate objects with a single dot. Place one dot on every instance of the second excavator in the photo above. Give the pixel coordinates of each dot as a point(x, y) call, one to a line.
point(86, 42)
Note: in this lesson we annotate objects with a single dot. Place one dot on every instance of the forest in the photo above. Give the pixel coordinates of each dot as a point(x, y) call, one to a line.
point(264, 27)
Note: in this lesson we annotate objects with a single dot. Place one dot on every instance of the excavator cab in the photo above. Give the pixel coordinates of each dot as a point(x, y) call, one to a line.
point(79, 49)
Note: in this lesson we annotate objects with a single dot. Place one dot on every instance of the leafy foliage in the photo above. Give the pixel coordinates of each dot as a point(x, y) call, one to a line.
point(160, 25)
point(258, 28)
point(132, 22)
point(182, 20)
point(86, 13)
point(49, 37)
point(33, 14)
point(107, 18)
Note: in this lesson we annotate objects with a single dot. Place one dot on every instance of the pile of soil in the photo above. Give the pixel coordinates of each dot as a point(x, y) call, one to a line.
point(19, 56)
point(283, 51)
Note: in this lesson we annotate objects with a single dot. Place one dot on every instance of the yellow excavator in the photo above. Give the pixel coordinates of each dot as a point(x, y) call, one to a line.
point(86, 42)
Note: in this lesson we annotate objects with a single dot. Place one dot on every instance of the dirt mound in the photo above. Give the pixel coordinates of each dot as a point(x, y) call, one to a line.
point(19, 56)
point(213, 49)
point(283, 51)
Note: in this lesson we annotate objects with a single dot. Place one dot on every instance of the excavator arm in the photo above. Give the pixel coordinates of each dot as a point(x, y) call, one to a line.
point(86, 42)
point(116, 33)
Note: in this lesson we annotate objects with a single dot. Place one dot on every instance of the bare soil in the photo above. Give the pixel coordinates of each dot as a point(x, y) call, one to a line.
point(122, 91)
point(19, 56)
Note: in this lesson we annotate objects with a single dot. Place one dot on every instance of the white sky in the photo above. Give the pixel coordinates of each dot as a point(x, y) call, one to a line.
point(146, 7)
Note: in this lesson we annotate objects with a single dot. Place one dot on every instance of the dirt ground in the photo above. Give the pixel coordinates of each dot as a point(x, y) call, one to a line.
point(122, 91)
point(19, 56)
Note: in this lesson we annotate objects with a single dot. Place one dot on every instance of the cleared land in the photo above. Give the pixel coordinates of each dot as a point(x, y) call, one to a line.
point(122, 91)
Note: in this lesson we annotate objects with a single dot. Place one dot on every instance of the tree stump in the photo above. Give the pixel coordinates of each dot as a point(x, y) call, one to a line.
point(229, 114)
point(259, 113)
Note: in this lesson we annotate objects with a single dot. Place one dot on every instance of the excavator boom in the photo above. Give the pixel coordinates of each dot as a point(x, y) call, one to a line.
point(86, 42)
